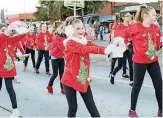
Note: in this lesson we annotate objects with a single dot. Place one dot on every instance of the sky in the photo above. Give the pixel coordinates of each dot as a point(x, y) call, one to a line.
point(17, 6)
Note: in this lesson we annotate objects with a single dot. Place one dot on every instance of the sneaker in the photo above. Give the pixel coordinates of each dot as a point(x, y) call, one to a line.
point(24, 69)
point(125, 76)
point(48, 73)
point(50, 89)
point(15, 114)
point(112, 79)
point(62, 91)
point(16, 81)
point(131, 84)
point(159, 114)
point(133, 114)
point(37, 71)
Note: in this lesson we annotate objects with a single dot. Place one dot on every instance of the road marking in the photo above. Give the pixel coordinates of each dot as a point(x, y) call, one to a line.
point(120, 81)
point(104, 78)
point(5, 109)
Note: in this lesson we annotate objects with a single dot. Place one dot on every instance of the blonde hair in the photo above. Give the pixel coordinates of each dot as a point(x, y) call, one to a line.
point(69, 21)
point(122, 14)
point(141, 11)
point(75, 21)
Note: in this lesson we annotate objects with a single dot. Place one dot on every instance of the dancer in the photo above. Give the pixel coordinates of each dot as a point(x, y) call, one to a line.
point(145, 37)
point(112, 30)
point(120, 31)
point(43, 45)
point(76, 74)
point(7, 66)
point(57, 59)
point(30, 45)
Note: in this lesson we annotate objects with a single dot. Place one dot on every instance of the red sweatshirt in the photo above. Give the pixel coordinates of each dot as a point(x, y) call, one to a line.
point(121, 30)
point(30, 41)
point(76, 74)
point(146, 41)
point(41, 40)
point(57, 48)
point(7, 65)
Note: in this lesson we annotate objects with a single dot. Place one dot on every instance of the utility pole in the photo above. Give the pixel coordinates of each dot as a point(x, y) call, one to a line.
point(24, 10)
point(161, 7)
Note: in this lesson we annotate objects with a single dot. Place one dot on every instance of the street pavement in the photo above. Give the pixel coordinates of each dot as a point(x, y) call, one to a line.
point(111, 100)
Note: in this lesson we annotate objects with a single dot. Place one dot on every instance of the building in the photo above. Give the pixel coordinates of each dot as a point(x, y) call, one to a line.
point(107, 10)
point(23, 17)
point(132, 7)
point(113, 7)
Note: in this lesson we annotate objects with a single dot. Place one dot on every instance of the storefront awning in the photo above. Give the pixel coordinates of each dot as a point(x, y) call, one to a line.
point(136, 1)
point(130, 8)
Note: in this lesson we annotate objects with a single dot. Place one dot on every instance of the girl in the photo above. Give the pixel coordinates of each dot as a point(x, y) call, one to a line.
point(112, 30)
point(145, 37)
point(112, 26)
point(30, 44)
point(43, 45)
point(57, 59)
point(125, 17)
point(7, 65)
point(76, 75)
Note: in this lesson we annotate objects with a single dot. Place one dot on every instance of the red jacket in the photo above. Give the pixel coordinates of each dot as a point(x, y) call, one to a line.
point(145, 42)
point(30, 41)
point(76, 74)
point(40, 41)
point(121, 30)
point(7, 65)
point(57, 48)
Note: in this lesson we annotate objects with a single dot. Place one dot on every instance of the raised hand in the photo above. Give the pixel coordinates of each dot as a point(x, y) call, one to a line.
point(16, 27)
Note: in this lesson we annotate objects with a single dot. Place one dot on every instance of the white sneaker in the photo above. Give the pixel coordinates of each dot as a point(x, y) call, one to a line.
point(17, 81)
point(15, 113)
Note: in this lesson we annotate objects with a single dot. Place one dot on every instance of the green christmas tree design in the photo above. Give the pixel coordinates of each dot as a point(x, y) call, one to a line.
point(82, 76)
point(151, 52)
point(9, 63)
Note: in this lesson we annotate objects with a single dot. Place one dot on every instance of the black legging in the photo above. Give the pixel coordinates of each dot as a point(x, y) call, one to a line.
point(124, 63)
point(127, 55)
point(113, 61)
point(57, 64)
point(32, 52)
point(42, 53)
point(10, 90)
point(72, 101)
point(120, 62)
point(155, 74)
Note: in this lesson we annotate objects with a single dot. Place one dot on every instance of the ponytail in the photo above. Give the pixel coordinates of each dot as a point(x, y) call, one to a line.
point(122, 14)
point(141, 11)
point(117, 19)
